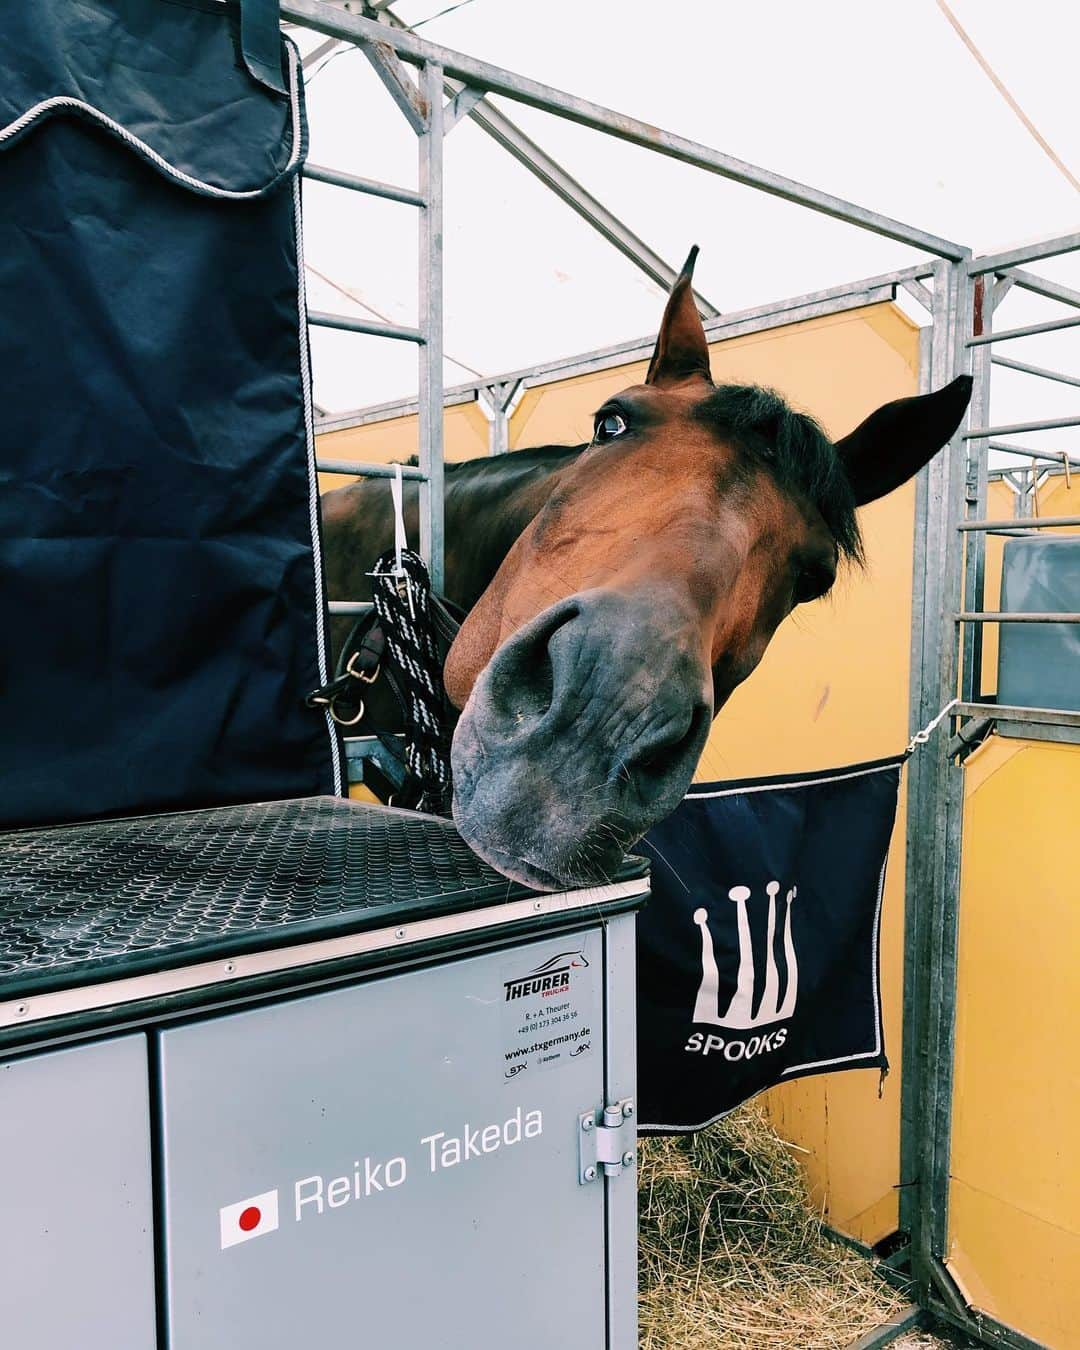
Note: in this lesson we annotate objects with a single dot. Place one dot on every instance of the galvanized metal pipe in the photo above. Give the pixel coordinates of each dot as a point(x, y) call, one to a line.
point(1042, 248)
point(362, 469)
point(1041, 371)
point(1017, 428)
point(1051, 290)
point(333, 22)
point(430, 261)
point(321, 319)
point(349, 607)
point(1004, 616)
point(371, 187)
point(1010, 712)
point(1050, 456)
point(1030, 331)
point(1020, 522)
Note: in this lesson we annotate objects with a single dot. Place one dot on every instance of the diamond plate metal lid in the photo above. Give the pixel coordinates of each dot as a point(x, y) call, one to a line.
point(88, 902)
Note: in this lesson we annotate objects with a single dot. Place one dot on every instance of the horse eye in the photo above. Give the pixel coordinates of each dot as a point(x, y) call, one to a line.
point(609, 426)
point(811, 583)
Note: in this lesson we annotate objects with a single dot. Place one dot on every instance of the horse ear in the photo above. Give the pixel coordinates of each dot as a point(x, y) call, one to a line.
point(681, 350)
point(894, 443)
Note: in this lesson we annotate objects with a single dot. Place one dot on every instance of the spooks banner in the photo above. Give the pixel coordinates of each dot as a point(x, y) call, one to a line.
point(758, 952)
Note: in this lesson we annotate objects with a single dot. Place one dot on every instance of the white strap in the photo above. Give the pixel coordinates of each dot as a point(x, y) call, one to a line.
point(400, 540)
point(921, 737)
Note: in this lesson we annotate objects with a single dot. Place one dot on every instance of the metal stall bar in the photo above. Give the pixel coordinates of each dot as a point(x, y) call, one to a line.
point(1051, 290)
point(371, 187)
point(1017, 428)
point(1005, 712)
point(492, 79)
point(320, 319)
point(1020, 522)
point(1061, 457)
point(1025, 369)
point(919, 698)
point(933, 842)
point(349, 607)
point(1031, 330)
point(430, 389)
point(1041, 248)
point(361, 469)
point(1008, 616)
point(986, 293)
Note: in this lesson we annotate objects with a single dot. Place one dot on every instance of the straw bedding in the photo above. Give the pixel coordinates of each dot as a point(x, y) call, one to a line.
point(733, 1255)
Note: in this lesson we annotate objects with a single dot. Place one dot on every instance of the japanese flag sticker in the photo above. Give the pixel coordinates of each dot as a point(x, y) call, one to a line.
point(249, 1218)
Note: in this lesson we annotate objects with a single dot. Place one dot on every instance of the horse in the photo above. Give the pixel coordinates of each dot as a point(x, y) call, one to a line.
point(619, 591)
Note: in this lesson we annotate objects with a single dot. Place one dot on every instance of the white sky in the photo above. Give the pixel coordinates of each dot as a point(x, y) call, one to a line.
point(877, 101)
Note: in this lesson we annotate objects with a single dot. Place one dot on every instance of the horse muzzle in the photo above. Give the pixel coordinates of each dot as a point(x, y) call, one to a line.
point(582, 731)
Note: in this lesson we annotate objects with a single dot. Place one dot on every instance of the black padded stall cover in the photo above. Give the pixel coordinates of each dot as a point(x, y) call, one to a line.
point(161, 607)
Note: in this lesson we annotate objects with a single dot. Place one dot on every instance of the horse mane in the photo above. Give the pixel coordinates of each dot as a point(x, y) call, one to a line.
point(793, 447)
point(534, 457)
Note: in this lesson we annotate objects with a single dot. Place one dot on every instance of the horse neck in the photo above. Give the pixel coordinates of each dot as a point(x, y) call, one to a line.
point(486, 510)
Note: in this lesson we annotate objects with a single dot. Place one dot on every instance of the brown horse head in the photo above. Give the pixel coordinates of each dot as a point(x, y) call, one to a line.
point(644, 591)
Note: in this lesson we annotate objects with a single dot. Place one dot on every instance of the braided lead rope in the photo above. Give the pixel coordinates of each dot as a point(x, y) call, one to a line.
point(401, 593)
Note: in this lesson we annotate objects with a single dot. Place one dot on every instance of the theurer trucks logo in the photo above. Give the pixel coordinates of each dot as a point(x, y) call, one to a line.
point(551, 977)
point(249, 1218)
point(738, 1013)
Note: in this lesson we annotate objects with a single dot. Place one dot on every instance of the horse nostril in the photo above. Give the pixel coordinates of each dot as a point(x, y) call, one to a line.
point(665, 753)
point(522, 683)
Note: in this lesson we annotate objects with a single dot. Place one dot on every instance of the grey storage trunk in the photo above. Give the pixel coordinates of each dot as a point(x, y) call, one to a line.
point(309, 1073)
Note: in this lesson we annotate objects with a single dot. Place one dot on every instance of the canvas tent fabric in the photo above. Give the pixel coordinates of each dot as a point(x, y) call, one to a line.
point(160, 581)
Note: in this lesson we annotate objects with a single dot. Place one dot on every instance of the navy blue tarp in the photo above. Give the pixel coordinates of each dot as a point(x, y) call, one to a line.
point(758, 952)
point(160, 581)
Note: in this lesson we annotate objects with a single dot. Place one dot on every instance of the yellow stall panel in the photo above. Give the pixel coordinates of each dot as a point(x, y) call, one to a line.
point(1014, 1205)
point(465, 429)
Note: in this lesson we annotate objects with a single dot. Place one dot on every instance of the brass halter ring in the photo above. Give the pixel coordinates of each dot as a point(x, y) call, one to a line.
point(345, 721)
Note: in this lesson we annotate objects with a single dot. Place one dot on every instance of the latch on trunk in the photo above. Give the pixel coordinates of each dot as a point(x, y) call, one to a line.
point(607, 1140)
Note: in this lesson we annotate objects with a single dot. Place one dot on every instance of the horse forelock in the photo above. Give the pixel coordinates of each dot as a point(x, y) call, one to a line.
point(793, 447)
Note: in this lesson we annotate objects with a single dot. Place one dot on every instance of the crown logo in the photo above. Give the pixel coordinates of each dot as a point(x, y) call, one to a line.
point(739, 1013)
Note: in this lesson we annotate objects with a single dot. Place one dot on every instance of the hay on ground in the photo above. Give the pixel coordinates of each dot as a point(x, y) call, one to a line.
point(732, 1252)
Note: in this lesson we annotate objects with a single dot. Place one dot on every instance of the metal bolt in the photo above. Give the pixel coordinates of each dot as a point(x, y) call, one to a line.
point(590, 1174)
point(628, 1109)
point(628, 1158)
point(538, 905)
point(587, 1122)
point(230, 967)
point(399, 932)
point(20, 1010)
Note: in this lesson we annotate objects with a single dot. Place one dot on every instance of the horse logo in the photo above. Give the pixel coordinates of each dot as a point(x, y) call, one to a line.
point(739, 1013)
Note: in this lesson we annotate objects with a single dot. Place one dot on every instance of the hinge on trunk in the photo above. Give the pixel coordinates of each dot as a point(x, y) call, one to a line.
point(607, 1141)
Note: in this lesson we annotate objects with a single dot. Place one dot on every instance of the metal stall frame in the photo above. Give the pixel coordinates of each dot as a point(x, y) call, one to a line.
point(947, 661)
point(951, 520)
